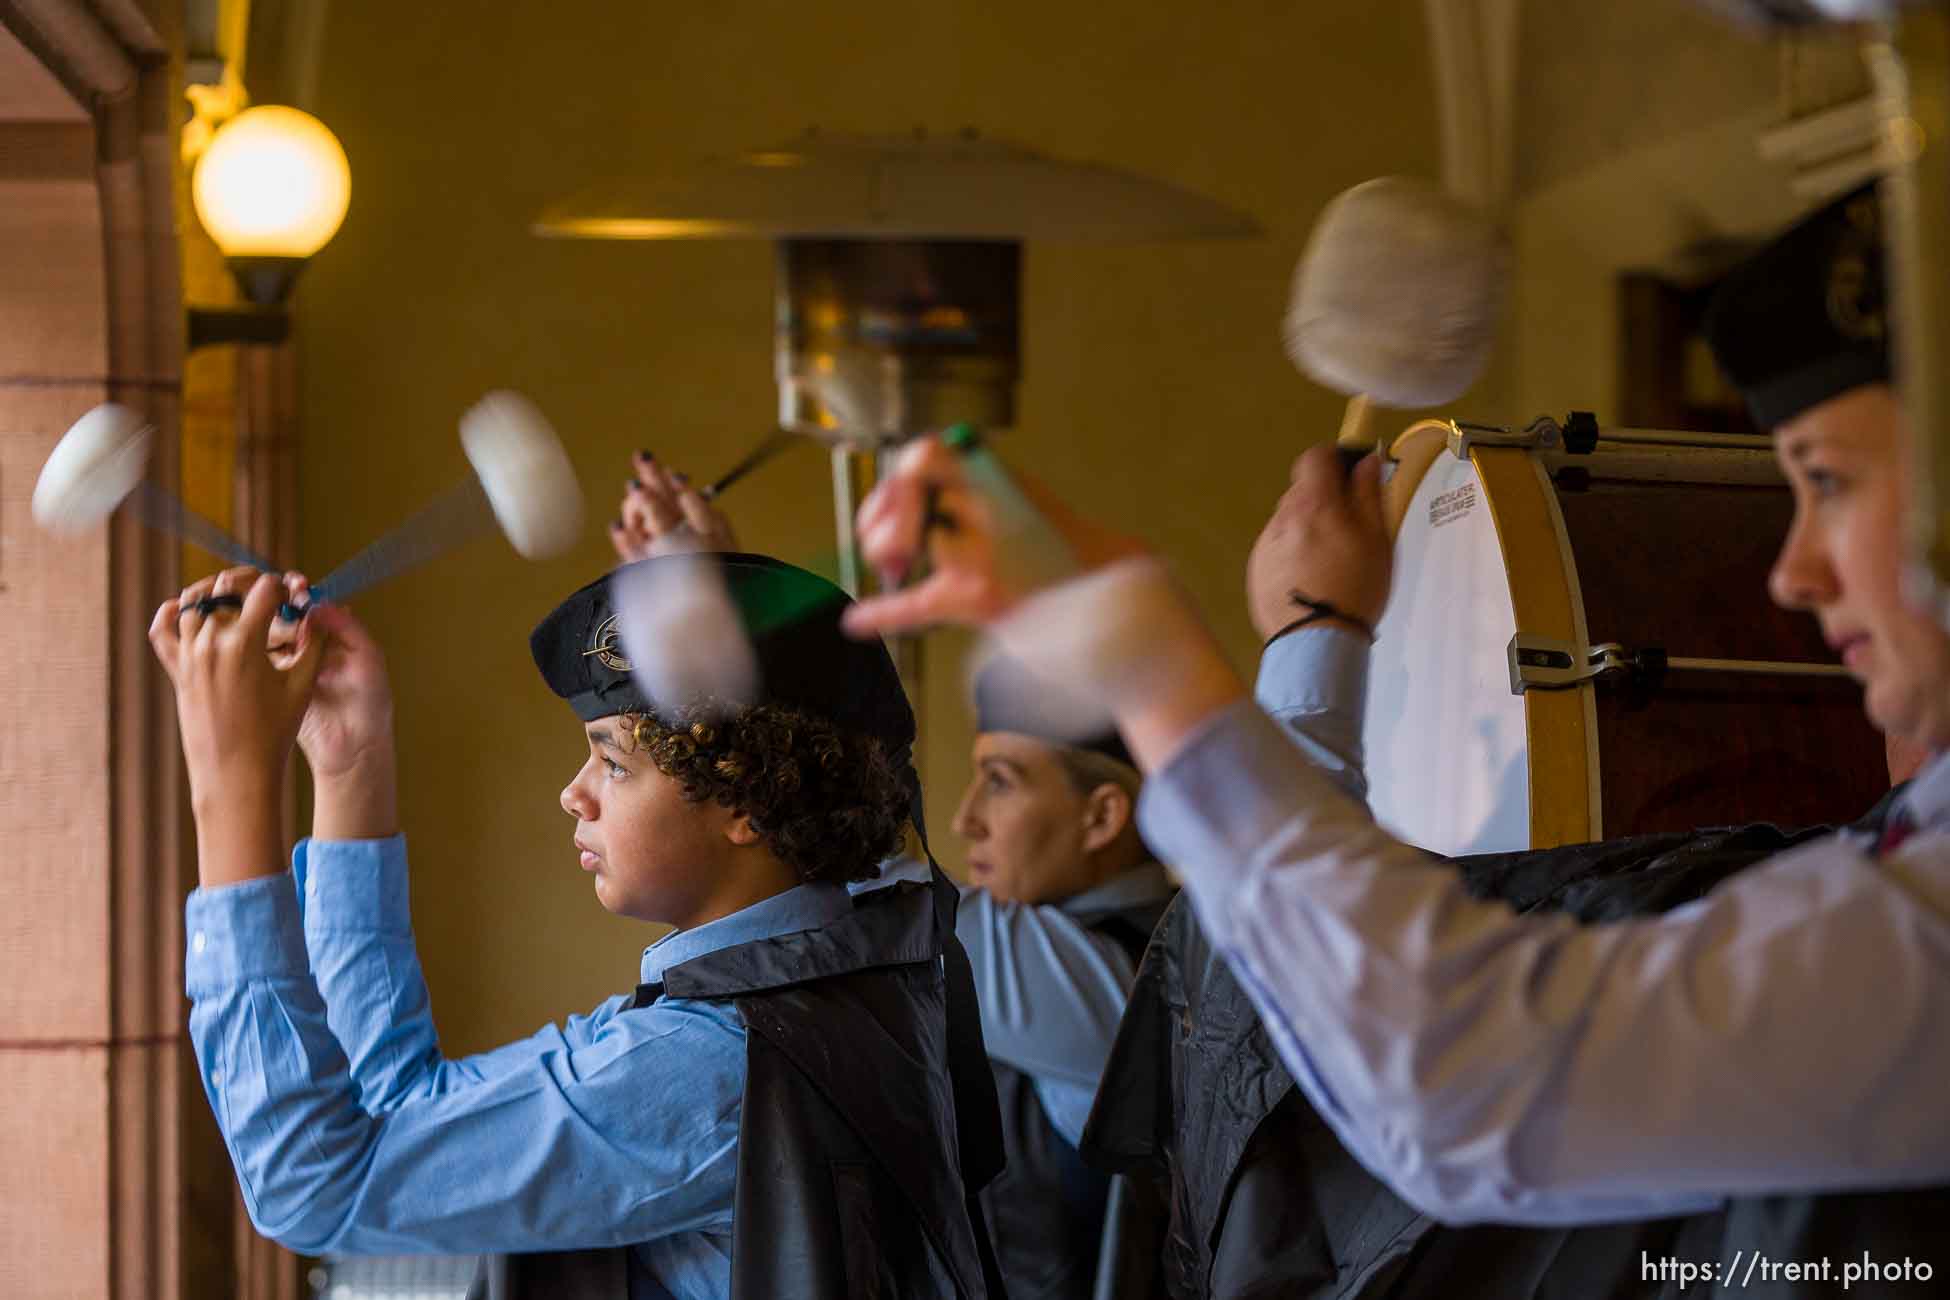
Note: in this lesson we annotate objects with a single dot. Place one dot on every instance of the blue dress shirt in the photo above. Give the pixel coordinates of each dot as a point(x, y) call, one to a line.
point(1314, 681)
point(1784, 1033)
point(1052, 993)
point(352, 1134)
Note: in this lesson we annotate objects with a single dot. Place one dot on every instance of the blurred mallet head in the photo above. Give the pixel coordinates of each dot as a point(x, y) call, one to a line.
point(92, 469)
point(1008, 696)
point(530, 484)
point(682, 633)
point(1397, 295)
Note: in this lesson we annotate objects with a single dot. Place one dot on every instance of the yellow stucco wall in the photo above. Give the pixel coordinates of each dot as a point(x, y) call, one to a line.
point(1155, 392)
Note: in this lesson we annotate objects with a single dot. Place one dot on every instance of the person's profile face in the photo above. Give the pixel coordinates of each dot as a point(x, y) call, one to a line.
point(1024, 821)
point(651, 853)
point(1844, 554)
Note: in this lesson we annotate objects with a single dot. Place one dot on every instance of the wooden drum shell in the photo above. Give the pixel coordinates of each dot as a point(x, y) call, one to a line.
point(1668, 550)
point(1712, 748)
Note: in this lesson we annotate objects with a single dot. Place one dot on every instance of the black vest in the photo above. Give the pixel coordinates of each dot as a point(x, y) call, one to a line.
point(1264, 1201)
point(1046, 1207)
point(851, 1182)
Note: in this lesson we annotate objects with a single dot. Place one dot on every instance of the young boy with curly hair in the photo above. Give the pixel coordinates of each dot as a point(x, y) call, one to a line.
point(792, 1102)
point(1062, 900)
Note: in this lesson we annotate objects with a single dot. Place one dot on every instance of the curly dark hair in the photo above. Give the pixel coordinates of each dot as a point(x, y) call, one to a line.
point(830, 803)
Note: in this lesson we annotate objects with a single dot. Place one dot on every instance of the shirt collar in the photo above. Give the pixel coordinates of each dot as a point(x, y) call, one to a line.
point(1141, 884)
point(803, 907)
point(897, 870)
point(1927, 800)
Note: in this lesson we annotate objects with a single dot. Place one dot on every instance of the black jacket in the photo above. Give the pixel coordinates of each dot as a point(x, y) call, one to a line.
point(1046, 1207)
point(1264, 1201)
point(853, 1168)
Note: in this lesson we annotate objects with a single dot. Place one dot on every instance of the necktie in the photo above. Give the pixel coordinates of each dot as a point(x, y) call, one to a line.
point(1898, 828)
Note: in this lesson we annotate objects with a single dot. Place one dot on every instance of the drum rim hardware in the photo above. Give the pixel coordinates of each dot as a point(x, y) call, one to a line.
point(1579, 434)
point(1541, 433)
point(1549, 664)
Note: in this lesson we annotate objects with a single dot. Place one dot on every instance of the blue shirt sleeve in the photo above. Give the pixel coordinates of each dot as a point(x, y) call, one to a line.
point(1068, 1106)
point(1314, 682)
point(621, 1130)
point(1780, 1034)
point(1051, 993)
point(354, 896)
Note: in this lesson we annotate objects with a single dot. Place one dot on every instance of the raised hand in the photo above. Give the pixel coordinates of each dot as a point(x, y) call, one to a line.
point(989, 538)
point(347, 733)
point(238, 714)
point(1325, 542)
point(927, 511)
point(237, 711)
point(350, 721)
point(663, 513)
point(1076, 604)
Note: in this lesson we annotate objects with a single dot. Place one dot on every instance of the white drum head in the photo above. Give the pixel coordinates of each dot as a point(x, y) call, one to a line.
point(1447, 760)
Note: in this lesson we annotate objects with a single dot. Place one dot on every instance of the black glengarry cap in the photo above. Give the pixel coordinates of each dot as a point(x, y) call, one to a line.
point(804, 659)
point(1805, 319)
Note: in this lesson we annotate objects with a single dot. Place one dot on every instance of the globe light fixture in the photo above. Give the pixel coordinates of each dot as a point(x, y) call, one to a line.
point(271, 189)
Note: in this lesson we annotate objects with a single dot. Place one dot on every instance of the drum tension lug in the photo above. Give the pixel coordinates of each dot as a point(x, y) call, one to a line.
point(1577, 436)
point(1580, 432)
point(1541, 433)
point(1647, 674)
point(1543, 664)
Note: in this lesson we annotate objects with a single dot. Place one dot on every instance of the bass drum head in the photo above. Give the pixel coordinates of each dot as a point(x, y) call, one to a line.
point(1447, 761)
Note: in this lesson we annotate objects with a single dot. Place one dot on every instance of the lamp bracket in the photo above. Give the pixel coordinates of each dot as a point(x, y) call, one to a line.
point(239, 324)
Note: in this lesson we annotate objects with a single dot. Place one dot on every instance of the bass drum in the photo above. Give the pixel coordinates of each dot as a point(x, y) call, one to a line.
point(1653, 547)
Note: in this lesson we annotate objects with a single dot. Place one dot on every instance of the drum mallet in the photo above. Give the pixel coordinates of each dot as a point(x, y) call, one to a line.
point(1395, 301)
point(522, 481)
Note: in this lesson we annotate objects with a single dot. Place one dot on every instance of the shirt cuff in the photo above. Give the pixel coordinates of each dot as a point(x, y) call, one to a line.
point(358, 885)
point(1314, 670)
point(1223, 799)
point(242, 932)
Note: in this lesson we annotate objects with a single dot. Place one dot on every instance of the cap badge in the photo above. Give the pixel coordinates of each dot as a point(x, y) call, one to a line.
point(606, 649)
point(1855, 307)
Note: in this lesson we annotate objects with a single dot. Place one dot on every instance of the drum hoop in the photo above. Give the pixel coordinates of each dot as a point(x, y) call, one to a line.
point(1412, 452)
point(1561, 732)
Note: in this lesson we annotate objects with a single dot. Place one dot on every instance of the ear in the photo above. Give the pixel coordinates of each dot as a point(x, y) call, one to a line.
point(1106, 812)
point(740, 831)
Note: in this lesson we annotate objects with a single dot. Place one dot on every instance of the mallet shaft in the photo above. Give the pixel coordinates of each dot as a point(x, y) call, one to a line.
point(457, 515)
point(774, 443)
point(156, 507)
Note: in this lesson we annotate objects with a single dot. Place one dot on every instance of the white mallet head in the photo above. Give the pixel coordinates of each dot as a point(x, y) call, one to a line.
point(1397, 295)
point(92, 469)
point(525, 472)
point(680, 628)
